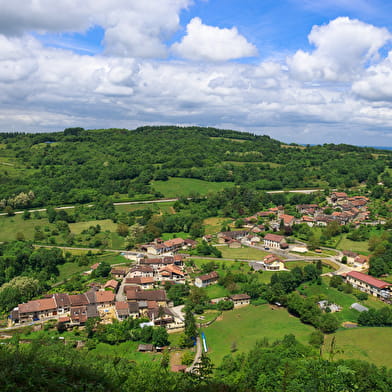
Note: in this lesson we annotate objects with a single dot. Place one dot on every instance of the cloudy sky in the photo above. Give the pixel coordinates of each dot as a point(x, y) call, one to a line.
point(301, 71)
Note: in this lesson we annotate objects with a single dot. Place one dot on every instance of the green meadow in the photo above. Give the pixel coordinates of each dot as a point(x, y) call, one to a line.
point(176, 187)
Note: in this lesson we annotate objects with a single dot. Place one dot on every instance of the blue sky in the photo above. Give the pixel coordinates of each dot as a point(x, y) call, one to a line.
point(299, 70)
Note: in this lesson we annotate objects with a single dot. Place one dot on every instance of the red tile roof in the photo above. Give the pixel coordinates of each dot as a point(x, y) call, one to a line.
point(211, 275)
point(271, 258)
point(380, 284)
point(111, 284)
point(122, 305)
point(104, 296)
point(274, 237)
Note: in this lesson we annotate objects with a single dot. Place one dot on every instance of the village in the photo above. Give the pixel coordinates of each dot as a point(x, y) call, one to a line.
point(138, 291)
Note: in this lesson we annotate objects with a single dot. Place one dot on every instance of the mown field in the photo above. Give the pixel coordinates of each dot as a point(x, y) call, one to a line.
point(355, 246)
point(370, 344)
point(176, 187)
point(247, 325)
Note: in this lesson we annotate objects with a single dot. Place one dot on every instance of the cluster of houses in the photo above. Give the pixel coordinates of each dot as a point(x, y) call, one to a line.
point(73, 309)
point(356, 260)
point(136, 296)
point(347, 210)
point(160, 247)
point(237, 238)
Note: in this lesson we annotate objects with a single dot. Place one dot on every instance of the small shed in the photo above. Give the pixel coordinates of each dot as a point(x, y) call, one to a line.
point(145, 348)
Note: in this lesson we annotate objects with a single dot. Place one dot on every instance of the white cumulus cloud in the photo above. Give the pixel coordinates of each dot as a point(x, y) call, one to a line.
point(343, 47)
point(210, 43)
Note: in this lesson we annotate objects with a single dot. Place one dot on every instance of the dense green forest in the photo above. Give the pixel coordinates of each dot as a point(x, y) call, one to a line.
point(284, 365)
point(79, 166)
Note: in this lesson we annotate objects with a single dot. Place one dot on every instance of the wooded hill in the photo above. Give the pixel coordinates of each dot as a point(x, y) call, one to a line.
point(78, 166)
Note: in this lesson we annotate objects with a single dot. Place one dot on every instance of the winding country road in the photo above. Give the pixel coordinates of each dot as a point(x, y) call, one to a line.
point(199, 350)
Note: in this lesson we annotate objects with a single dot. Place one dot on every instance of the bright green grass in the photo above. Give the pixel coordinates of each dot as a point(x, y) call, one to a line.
point(264, 276)
point(217, 291)
point(246, 325)
point(166, 207)
point(224, 265)
point(207, 316)
point(387, 279)
point(10, 225)
point(112, 258)
point(169, 236)
point(355, 246)
point(124, 208)
point(292, 264)
point(116, 241)
point(370, 344)
point(68, 269)
point(127, 350)
point(106, 224)
point(213, 225)
point(242, 253)
point(175, 187)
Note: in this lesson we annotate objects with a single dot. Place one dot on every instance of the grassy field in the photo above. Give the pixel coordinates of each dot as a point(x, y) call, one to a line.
point(292, 264)
point(158, 208)
point(112, 258)
point(68, 269)
point(169, 236)
point(216, 291)
point(116, 241)
point(242, 253)
point(246, 325)
point(207, 316)
point(366, 343)
point(324, 291)
point(175, 187)
point(106, 224)
point(11, 225)
point(234, 266)
point(355, 246)
point(213, 225)
point(127, 350)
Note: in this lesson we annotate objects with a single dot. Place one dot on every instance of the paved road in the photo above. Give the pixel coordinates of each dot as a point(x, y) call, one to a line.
point(91, 205)
point(306, 191)
point(199, 350)
point(120, 296)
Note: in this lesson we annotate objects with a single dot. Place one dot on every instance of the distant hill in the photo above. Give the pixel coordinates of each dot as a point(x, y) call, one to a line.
point(79, 166)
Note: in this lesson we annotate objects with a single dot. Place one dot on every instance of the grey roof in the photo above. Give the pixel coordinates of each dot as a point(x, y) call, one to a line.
point(359, 307)
point(92, 311)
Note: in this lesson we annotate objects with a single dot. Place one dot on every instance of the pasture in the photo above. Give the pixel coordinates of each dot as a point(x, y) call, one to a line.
point(366, 343)
point(245, 326)
point(176, 187)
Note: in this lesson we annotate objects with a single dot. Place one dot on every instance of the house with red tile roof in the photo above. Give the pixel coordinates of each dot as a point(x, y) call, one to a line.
point(369, 284)
point(274, 241)
point(111, 284)
point(146, 283)
point(273, 263)
point(104, 299)
point(207, 279)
